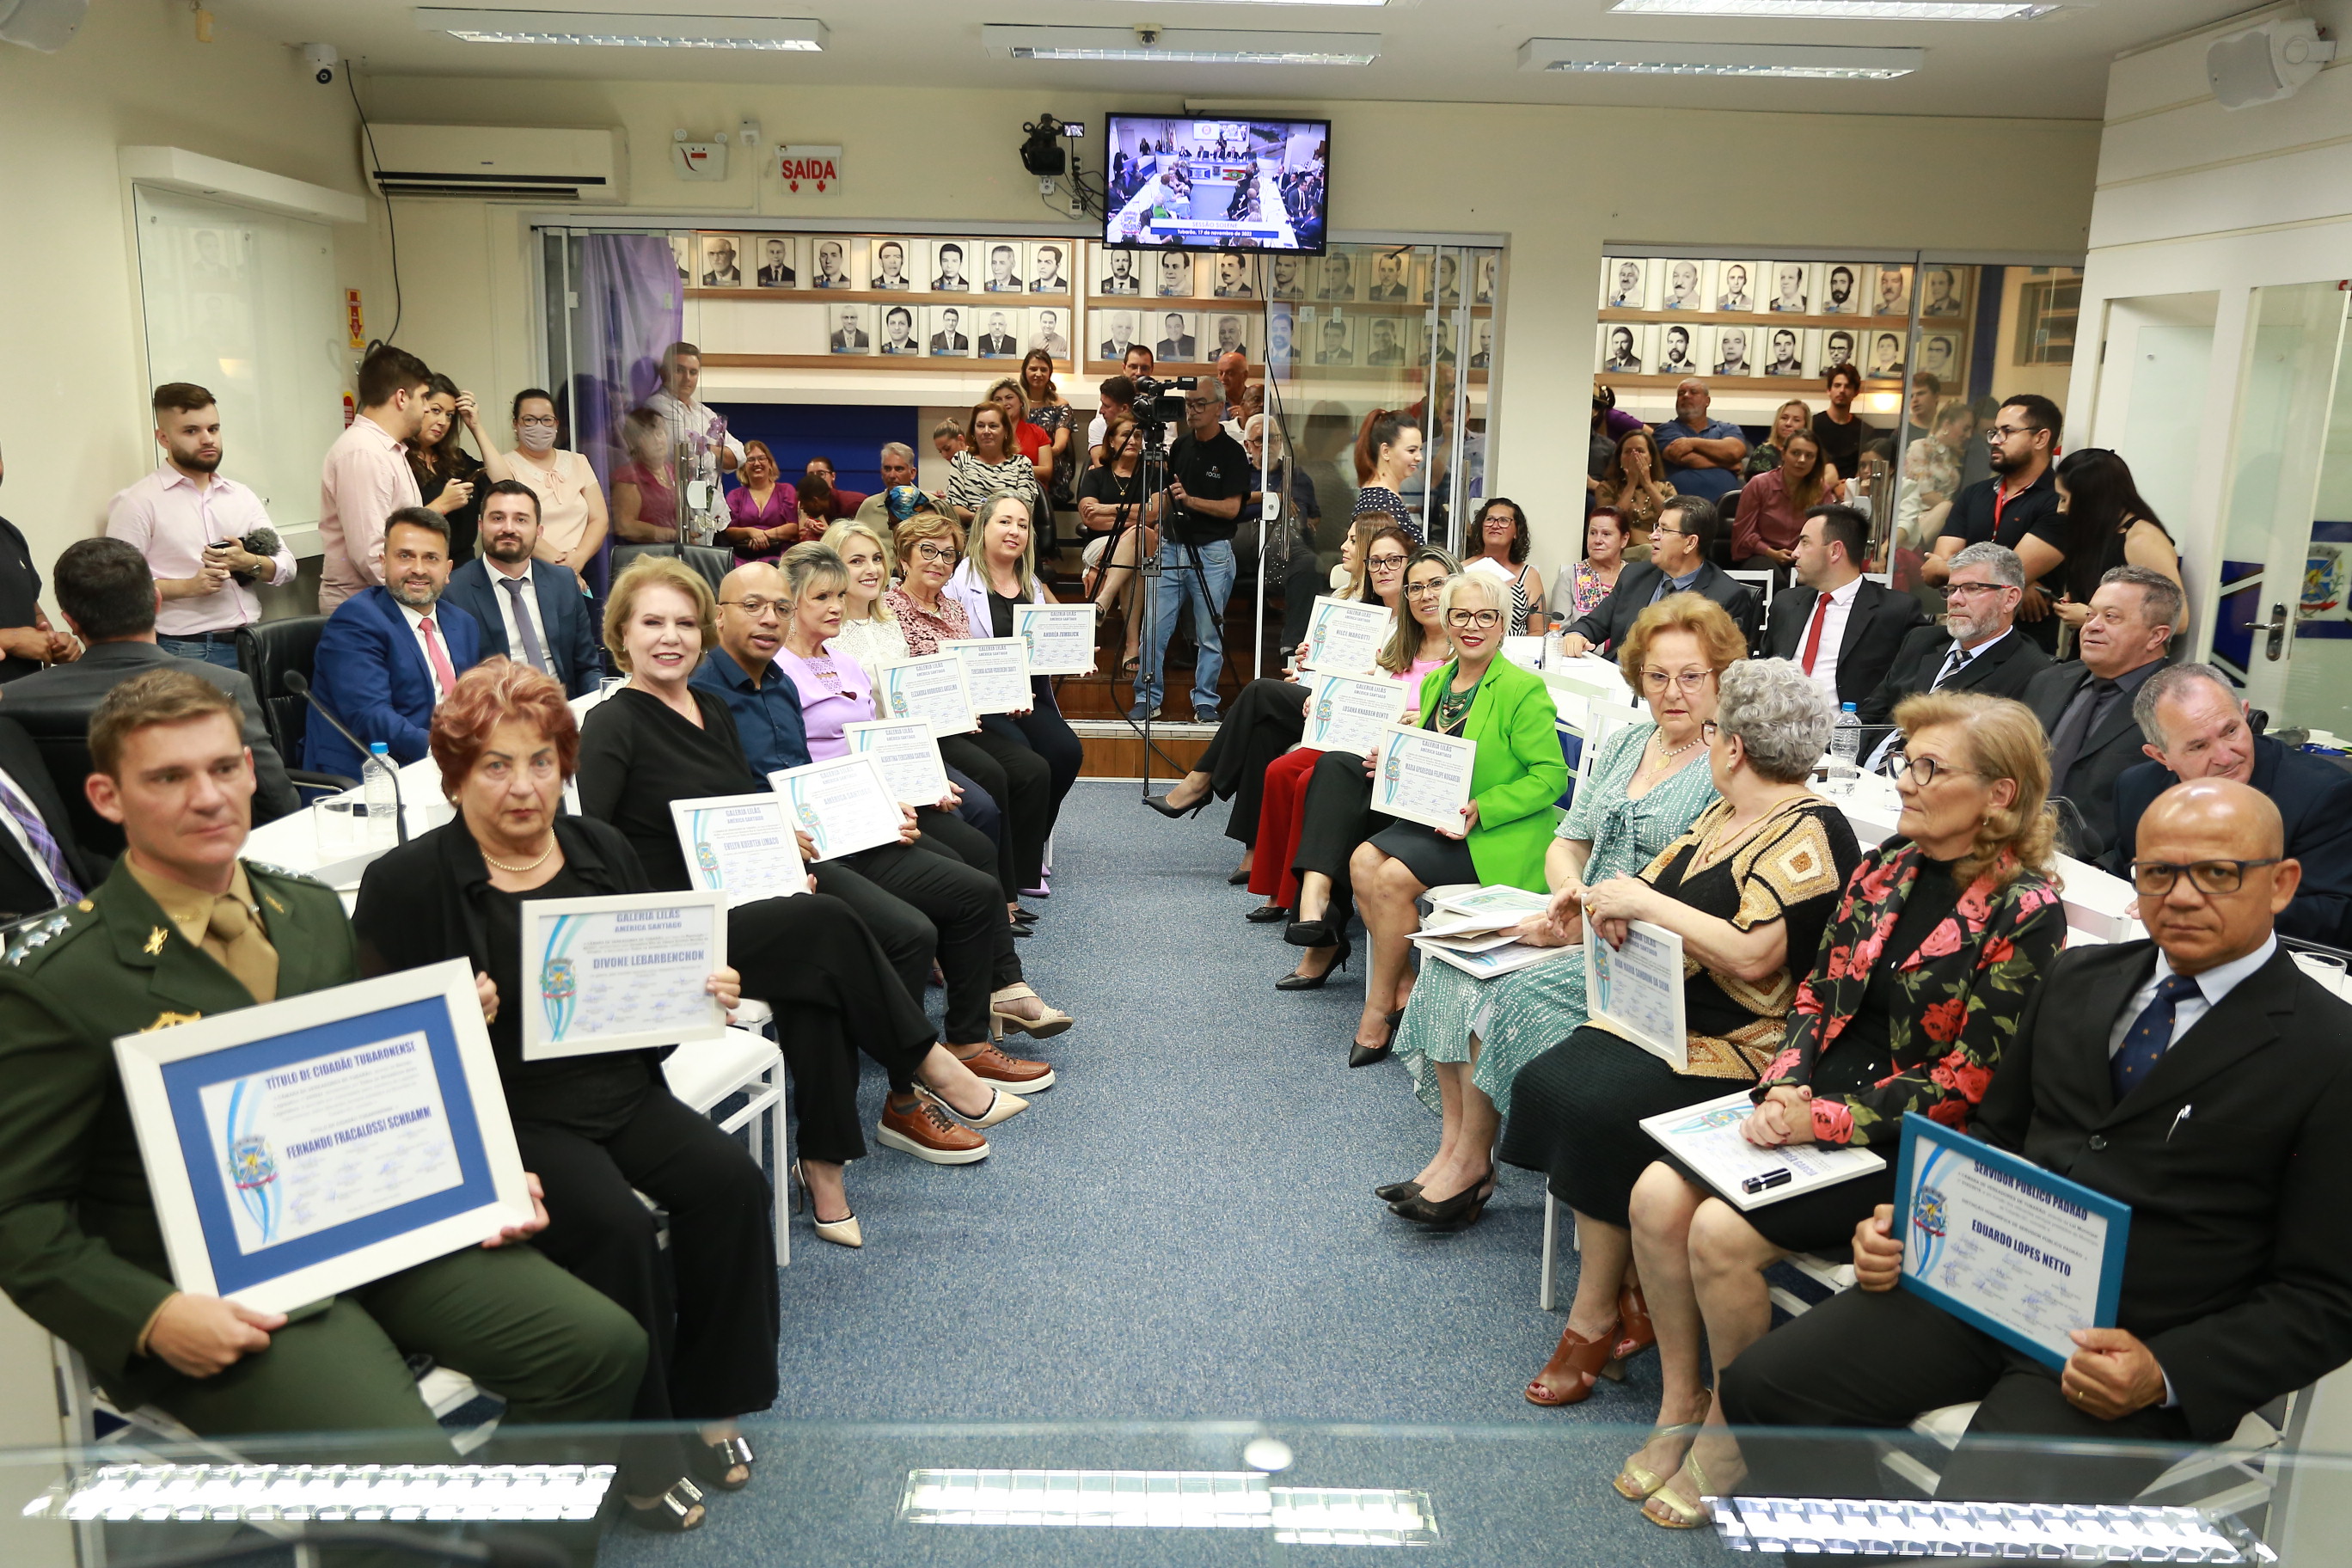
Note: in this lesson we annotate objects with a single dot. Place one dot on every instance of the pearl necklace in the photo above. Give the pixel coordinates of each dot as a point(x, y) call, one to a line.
point(528, 866)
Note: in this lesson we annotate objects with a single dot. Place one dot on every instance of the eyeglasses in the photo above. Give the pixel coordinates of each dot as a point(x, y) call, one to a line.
point(1924, 770)
point(531, 423)
point(1691, 681)
point(2154, 878)
point(1483, 620)
point(1424, 590)
point(935, 553)
point(755, 607)
point(2003, 432)
point(1954, 590)
point(1386, 563)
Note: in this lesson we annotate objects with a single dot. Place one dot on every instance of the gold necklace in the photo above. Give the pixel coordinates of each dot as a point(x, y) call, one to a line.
point(1663, 757)
point(530, 866)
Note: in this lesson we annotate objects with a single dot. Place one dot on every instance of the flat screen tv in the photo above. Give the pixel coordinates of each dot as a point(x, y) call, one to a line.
point(1179, 182)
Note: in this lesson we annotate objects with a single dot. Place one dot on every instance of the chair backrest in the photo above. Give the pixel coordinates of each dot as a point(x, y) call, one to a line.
point(266, 650)
point(1762, 582)
point(711, 561)
point(60, 728)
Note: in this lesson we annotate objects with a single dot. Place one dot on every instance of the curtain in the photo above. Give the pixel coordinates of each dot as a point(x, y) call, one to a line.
point(632, 307)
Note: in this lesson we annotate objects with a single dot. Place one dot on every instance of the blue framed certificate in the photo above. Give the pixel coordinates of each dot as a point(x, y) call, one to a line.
point(316, 1144)
point(2001, 1244)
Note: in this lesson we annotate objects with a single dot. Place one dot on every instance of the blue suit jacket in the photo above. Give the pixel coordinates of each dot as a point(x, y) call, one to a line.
point(571, 639)
point(371, 674)
point(2313, 797)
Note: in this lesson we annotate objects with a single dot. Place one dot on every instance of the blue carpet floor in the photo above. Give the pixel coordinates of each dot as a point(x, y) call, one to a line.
point(1182, 1231)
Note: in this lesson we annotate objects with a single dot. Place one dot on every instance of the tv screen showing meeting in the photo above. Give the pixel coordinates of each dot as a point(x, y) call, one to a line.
point(1186, 183)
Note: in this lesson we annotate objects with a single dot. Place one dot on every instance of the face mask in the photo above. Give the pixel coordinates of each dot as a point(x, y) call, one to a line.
point(536, 440)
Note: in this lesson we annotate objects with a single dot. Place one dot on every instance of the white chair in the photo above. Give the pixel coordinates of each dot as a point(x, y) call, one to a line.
point(1759, 581)
point(703, 1073)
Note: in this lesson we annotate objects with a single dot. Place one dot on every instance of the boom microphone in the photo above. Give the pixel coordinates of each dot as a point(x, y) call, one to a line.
point(294, 681)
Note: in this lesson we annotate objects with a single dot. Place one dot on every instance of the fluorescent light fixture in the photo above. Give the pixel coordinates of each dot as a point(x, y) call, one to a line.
point(1618, 56)
point(392, 1494)
point(1280, 2)
point(1181, 45)
point(1170, 1499)
point(1847, 10)
point(627, 29)
point(2123, 1532)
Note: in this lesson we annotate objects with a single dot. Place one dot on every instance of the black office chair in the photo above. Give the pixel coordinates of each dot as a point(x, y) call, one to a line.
point(265, 651)
point(61, 732)
point(713, 562)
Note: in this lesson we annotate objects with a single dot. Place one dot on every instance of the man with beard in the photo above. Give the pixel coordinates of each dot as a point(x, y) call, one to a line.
point(1677, 360)
point(393, 651)
point(1972, 650)
point(1838, 298)
point(534, 617)
point(2021, 492)
point(1121, 278)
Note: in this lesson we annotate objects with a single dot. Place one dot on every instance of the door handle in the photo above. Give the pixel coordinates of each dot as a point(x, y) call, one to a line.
point(2276, 627)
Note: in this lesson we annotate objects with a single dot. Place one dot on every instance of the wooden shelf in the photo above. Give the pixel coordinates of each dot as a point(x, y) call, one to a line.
point(1720, 385)
point(805, 296)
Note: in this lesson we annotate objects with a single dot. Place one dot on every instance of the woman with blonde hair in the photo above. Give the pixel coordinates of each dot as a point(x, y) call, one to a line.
point(763, 510)
point(1919, 984)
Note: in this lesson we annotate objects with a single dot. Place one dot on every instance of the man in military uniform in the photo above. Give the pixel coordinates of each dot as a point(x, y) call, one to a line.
point(183, 928)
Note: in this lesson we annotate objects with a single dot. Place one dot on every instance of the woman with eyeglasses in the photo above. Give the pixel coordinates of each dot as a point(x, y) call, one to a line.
point(1462, 1039)
point(571, 517)
point(1507, 713)
point(1500, 530)
point(1917, 988)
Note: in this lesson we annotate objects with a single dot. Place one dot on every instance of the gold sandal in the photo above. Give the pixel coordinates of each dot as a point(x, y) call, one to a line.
point(1050, 1020)
point(1634, 1482)
point(1668, 1511)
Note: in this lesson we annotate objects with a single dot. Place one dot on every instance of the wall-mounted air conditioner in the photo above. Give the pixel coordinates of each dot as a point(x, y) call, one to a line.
point(497, 162)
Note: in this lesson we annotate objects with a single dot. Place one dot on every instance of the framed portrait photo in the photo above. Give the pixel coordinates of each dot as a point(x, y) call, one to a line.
point(1788, 287)
point(1683, 285)
point(948, 331)
point(1731, 351)
point(1112, 333)
point(1335, 276)
point(1120, 273)
point(849, 329)
point(951, 265)
point(1890, 291)
point(901, 333)
point(776, 261)
point(1826, 348)
point(1943, 292)
point(1384, 340)
point(1939, 356)
point(1482, 343)
point(1784, 349)
point(1444, 280)
point(1391, 282)
point(1329, 334)
point(721, 265)
point(1680, 350)
point(310, 1146)
point(1286, 277)
point(1735, 285)
point(1625, 283)
point(1170, 272)
point(1234, 276)
point(1049, 328)
point(829, 258)
point(1049, 267)
point(682, 251)
point(1231, 331)
point(1883, 359)
point(1482, 290)
point(891, 265)
point(1625, 347)
point(1175, 336)
point(1281, 339)
point(1841, 288)
point(1001, 329)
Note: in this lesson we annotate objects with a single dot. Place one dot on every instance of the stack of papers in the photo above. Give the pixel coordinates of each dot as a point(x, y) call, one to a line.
point(1707, 1139)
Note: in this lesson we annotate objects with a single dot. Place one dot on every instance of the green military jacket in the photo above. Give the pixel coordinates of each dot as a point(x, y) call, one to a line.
point(80, 1251)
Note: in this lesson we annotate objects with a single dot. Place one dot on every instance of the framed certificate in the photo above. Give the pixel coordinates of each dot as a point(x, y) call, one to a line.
point(623, 972)
point(1424, 776)
point(1350, 712)
point(908, 756)
point(1996, 1241)
point(1059, 639)
point(1344, 635)
point(1636, 990)
point(738, 845)
point(929, 688)
point(842, 803)
point(313, 1145)
point(996, 673)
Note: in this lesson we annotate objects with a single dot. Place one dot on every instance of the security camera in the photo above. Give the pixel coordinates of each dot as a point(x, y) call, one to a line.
point(321, 58)
point(1148, 35)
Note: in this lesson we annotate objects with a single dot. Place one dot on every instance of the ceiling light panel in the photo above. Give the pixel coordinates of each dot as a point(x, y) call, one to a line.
point(1618, 57)
point(627, 29)
point(1181, 45)
point(1846, 10)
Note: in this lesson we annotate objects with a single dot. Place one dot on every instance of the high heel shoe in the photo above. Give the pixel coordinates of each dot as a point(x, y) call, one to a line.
point(1636, 1481)
point(1668, 1511)
point(1050, 1020)
point(1238, 878)
point(1457, 1213)
point(1397, 1191)
point(1159, 802)
point(1294, 981)
point(1267, 914)
point(1634, 1331)
point(840, 1232)
point(674, 1512)
point(1578, 1357)
point(713, 1462)
point(1309, 933)
point(1363, 1055)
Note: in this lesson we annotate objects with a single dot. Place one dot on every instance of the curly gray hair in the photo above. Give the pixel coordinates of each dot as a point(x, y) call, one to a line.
point(1780, 713)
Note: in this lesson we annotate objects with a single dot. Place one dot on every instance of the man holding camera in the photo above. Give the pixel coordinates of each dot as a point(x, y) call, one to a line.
point(208, 539)
point(1208, 476)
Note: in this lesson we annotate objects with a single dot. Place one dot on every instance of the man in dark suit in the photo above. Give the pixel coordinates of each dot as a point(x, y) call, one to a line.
point(2086, 704)
point(106, 593)
point(529, 610)
point(390, 655)
point(946, 340)
point(1978, 652)
point(851, 338)
point(1678, 564)
point(2195, 727)
point(41, 866)
point(996, 343)
point(2201, 1079)
point(1177, 345)
point(1842, 628)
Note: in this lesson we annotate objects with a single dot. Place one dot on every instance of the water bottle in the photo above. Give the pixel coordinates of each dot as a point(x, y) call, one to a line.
point(1846, 751)
point(382, 793)
point(1555, 630)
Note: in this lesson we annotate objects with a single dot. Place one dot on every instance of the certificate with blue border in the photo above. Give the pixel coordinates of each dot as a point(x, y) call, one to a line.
point(2003, 1245)
point(316, 1144)
point(620, 971)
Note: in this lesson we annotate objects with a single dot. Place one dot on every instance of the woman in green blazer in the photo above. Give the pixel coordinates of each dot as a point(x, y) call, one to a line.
point(1516, 777)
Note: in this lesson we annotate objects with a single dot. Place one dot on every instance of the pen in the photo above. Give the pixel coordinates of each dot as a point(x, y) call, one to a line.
point(2177, 1121)
point(1767, 1180)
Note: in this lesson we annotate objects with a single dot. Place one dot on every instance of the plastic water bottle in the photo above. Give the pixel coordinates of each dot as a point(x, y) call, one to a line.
point(1846, 751)
point(1554, 631)
point(382, 793)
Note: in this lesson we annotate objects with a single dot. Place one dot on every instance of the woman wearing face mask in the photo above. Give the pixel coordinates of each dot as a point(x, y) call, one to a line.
point(446, 475)
point(572, 522)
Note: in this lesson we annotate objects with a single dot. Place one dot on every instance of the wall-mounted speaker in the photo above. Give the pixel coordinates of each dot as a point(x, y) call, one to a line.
point(48, 26)
point(2265, 64)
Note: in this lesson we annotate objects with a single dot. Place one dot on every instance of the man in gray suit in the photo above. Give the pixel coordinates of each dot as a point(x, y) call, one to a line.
point(109, 596)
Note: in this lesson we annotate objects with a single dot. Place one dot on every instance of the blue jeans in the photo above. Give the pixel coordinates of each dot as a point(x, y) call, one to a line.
point(1178, 583)
point(221, 653)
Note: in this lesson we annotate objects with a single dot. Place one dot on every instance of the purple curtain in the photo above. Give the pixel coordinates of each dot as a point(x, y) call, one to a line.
point(632, 307)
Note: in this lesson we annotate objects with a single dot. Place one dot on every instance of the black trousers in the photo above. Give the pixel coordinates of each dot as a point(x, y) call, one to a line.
point(979, 806)
point(1265, 720)
point(935, 904)
point(710, 1310)
point(946, 833)
point(1336, 815)
point(983, 777)
point(1045, 732)
point(1877, 1360)
point(1026, 798)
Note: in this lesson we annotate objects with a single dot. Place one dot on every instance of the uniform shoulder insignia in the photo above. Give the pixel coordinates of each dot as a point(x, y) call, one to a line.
point(37, 935)
point(166, 1020)
point(267, 869)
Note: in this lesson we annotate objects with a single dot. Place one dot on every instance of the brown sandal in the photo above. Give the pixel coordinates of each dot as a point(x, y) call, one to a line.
point(1587, 1359)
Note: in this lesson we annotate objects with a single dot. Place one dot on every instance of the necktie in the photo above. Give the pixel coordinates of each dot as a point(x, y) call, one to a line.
point(37, 834)
point(2074, 728)
point(531, 651)
point(243, 951)
point(443, 676)
point(2149, 1035)
point(1814, 630)
point(1954, 662)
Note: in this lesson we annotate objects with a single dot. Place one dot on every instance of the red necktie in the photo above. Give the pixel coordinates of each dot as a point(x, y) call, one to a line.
point(1814, 630)
point(445, 678)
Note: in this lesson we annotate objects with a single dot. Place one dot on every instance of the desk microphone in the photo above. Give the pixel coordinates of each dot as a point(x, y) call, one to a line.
point(294, 681)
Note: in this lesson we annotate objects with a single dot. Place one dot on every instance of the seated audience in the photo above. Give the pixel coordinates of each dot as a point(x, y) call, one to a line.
point(1704, 455)
point(948, 438)
point(1111, 503)
point(763, 512)
point(365, 476)
point(846, 501)
point(2194, 724)
point(41, 866)
point(817, 505)
point(897, 463)
point(182, 926)
point(1677, 564)
point(1500, 531)
point(572, 520)
point(1931, 476)
point(1518, 774)
point(2100, 523)
point(1465, 1039)
point(1635, 489)
point(644, 487)
point(391, 653)
point(992, 464)
point(1609, 425)
point(448, 477)
point(1389, 449)
point(2086, 703)
point(1580, 590)
point(2011, 505)
point(1973, 650)
point(1115, 401)
point(1944, 932)
point(1840, 628)
point(1749, 889)
point(2234, 1291)
point(1049, 412)
point(1787, 419)
point(111, 599)
point(1773, 507)
point(528, 609)
point(598, 1129)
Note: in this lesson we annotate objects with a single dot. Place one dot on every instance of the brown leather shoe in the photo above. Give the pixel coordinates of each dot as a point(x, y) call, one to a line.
point(927, 1133)
point(991, 1064)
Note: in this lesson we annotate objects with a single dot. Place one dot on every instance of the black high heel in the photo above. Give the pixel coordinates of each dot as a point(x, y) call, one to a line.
point(1309, 933)
point(676, 1511)
point(1397, 1191)
point(1456, 1212)
point(1267, 914)
point(1363, 1055)
point(1159, 802)
point(1238, 878)
point(1294, 981)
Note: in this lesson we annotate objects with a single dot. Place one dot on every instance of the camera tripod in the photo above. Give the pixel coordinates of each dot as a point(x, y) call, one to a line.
point(1153, 473)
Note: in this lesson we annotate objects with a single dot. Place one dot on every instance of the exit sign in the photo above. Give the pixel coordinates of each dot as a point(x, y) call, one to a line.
point(809, 168)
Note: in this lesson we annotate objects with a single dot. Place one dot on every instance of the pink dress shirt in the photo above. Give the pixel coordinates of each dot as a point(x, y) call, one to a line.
point(364, 480)
point(169, 521)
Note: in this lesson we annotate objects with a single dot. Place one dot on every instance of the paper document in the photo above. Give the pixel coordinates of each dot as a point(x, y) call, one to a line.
point(620, 972)
point(1424, 777)
point(996, 673)
point(1706, 1138)
point(908, 754)
point(738, 846)
point(1508, 959)
point(929, 688)
point(1497, 901)
point(1636, 990)
point(1058, 639)
point(1351, 713)
point(841, 804)
point(1344, 635)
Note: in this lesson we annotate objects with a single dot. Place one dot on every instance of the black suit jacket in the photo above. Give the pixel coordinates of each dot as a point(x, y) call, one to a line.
point(2313, 797)
point(22, 891)
point(1610, 620)
point(2002, 670)
point(1876, 626)
point(564, 613)
point(2113, 745)
point(2231, 1154)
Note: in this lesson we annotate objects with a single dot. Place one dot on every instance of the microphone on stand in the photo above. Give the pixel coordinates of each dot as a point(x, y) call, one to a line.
point(294, 681)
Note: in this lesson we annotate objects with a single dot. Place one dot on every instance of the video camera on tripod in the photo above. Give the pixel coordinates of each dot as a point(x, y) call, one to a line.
point(1160, 404)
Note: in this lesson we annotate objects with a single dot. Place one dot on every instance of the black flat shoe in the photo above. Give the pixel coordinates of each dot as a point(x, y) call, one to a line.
point(1238, 878)
point(1159, 802)
point(1456, 1212)
point(1397, 1191)
point(1362, 1055)
point(1025, 916)
point(1309, 933)
point(1267, 914)
point(1294, 981)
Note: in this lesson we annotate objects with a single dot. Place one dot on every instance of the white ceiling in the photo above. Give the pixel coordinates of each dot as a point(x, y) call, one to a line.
point(2053, 66)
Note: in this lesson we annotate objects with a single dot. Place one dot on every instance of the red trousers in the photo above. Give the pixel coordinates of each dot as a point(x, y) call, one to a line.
point(1279, 822)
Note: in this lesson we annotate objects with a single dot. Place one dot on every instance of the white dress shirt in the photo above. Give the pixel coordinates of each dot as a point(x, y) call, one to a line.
point(1833, 634)
point(424, 650)
point(169, 519)
point(498, 580)
point(364, 479)
point(1946, 671)
point(2211, 986)
point(696, 418)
